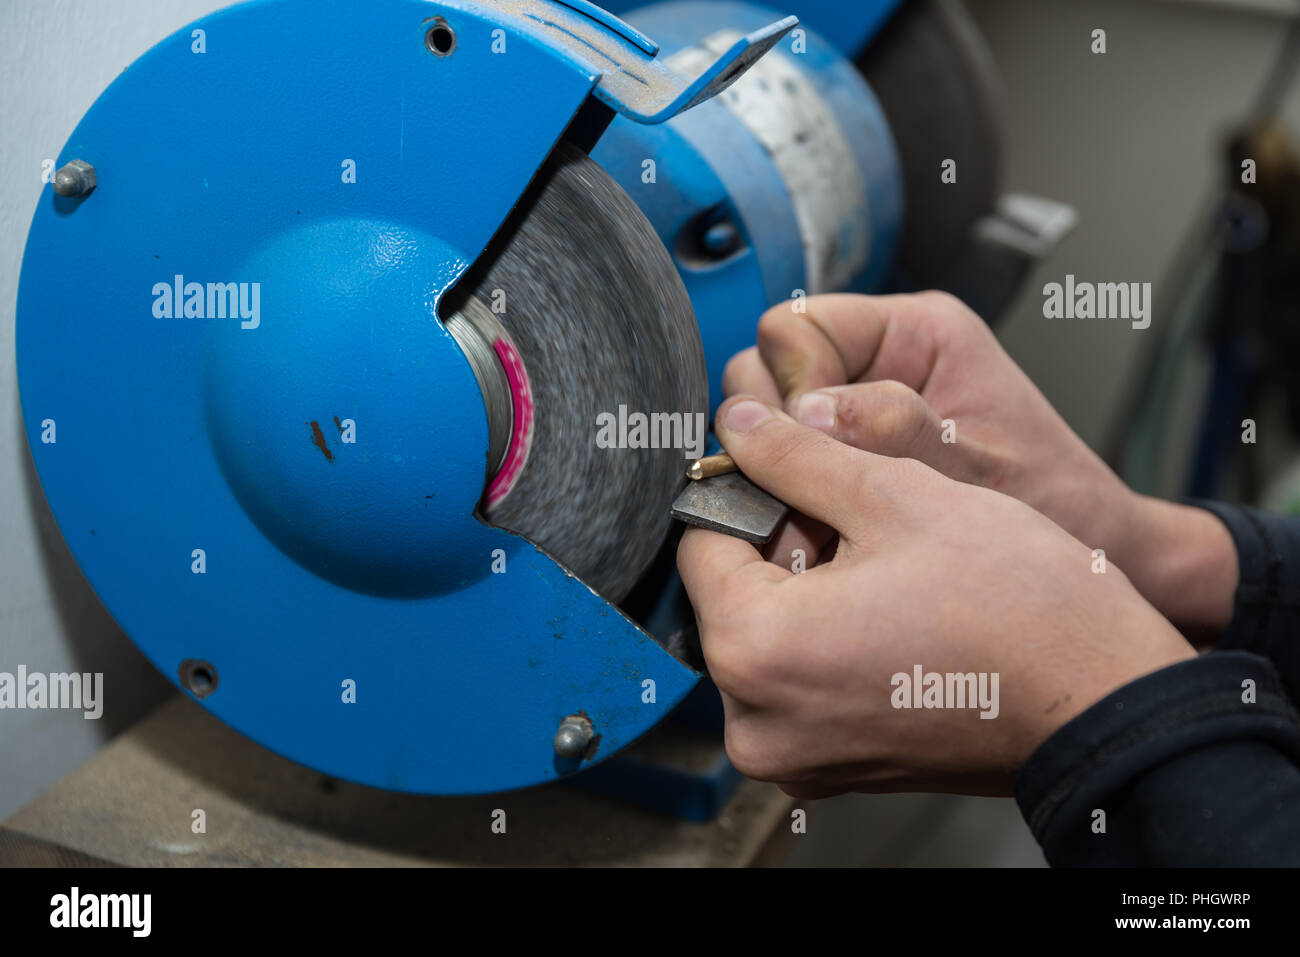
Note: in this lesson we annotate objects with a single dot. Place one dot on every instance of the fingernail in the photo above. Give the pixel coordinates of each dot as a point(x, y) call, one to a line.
point(746, 414)
point(816, 409)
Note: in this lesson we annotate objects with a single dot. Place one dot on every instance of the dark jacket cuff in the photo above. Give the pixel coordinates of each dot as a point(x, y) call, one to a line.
point(1105, 752)
point(1266, 619)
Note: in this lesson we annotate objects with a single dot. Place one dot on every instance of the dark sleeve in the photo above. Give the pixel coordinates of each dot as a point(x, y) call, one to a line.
point(1187, 767)
point(1266, 620)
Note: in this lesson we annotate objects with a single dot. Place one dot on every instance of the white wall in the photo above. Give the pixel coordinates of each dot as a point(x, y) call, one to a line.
point(1132, 139)
point(56, 57)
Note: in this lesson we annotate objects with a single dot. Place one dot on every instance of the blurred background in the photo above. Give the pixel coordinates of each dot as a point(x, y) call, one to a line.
point(1145, 143)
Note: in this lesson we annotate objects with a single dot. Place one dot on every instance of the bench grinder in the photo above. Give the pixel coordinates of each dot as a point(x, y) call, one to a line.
point(320, 310)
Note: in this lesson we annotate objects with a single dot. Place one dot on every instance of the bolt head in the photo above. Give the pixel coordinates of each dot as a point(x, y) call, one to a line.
point(75, 178)
point(574, 736)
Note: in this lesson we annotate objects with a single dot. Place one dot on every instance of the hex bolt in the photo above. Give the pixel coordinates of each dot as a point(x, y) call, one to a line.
point(75, 178)
point(574, 736)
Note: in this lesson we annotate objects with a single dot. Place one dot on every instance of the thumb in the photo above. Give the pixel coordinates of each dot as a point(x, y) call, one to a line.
point(806, 469)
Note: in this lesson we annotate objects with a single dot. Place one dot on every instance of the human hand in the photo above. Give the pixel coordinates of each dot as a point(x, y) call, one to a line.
point(927, 572)
point(921, 376)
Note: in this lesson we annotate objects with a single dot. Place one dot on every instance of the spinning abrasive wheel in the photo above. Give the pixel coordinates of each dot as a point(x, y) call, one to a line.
point(595, 323)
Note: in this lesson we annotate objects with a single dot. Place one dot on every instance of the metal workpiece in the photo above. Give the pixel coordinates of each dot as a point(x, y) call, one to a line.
point(732, 504)
point(711, 465)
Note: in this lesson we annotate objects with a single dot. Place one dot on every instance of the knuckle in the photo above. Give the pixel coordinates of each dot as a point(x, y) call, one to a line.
point(905, 414)
point(729, 665)
point(772, 326)
point(751, 752)
point(945, 303)
point(741, 657)
point(781, 331)
point(740, 372)
point(891, 391)
point(731, 373)
point(888, 416)
point(951, 314)
point(735, 606)
point(775, 321)
point(722, 619)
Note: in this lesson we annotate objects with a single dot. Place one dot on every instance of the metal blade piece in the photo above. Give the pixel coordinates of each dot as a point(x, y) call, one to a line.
point(731, 504)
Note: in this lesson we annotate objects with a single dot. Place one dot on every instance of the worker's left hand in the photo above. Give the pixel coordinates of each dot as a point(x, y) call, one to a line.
point(929, 573)
point(921, 376)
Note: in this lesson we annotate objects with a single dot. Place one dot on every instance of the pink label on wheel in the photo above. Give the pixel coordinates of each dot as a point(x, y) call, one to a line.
point(521, 436)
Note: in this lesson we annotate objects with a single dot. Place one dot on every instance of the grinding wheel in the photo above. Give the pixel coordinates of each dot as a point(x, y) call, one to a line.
point(580, 304)
point(934, 77)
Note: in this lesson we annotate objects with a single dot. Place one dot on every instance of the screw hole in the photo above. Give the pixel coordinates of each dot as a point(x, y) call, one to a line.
point(441, 38)
point(199, 678)
point(709, 237)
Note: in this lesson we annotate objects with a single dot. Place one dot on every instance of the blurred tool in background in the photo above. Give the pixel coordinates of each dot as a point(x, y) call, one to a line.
point(1239, 304)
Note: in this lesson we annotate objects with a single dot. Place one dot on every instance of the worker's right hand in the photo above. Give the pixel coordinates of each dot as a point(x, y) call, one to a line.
point(921, 376)
point(821, 672)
